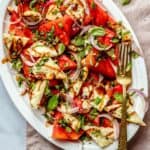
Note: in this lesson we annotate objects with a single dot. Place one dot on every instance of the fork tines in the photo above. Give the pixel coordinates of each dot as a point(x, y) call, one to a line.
point(125, 49)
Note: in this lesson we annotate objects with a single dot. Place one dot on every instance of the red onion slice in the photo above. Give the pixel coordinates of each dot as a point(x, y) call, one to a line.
point(116, 129)
point(27, 62)
point(17, 21)
point(101, 77)
point(32, 58)
point(69, 98)
point(106, 116)
point(114, 67)
point(78, 70)
point(139, 92)
point(13, 22)
point(75, 75)
point(34, 23)
point(46, 5)
point(100, 4)
point(92, 41)
point(85, 29)
point(142, 95)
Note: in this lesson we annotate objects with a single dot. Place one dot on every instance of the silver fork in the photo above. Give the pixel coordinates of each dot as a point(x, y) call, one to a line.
point(125, 79)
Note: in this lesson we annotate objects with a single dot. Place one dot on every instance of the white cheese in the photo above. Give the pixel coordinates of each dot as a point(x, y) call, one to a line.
point(77, 86)
point(39, 49)
point(86, 91)
point(75, 9)
point(31, 13)
point(133, 117)
point(49, 70)
point(73, 121)
point(97, 136)
point(53, 12)
point(10, 40)
point(37, 93)
point(86, 105)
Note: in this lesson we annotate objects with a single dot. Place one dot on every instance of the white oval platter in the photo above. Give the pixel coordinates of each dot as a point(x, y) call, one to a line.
point(36, 119)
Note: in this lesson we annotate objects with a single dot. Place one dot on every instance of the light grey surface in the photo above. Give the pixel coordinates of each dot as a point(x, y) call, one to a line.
point(12, 125)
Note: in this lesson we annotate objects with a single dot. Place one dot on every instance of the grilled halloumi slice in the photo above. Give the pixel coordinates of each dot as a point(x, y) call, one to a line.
point(76, 86)
point(75, 9)
point(73, 121)
point(39, 49)
point(66, 108)
point(100, 135)
point(132, 116)
point(104, 99)
point(112, 107)
point(15, 42)
point(53, 12)
point(105, 131)
point(32, 17)
point(49, 70)
point(37, 93)
point(86, 91)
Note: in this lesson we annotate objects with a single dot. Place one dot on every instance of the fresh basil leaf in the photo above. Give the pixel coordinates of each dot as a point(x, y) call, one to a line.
point(63, 123)
point(17, 64)
point(32, 3)
point(118, 97)
point(82, 120)
point(94, 113)
point(93, 5)
point(125, 2)
point(68, 129)
point(84, 52)
point(97, 31)
point(58, 2)
point(48, 91)
point(134, 55)
point(61, 48)
point(97, 100)
point(78, 41)
point(115, 40)
point(129, 67)
point(20, 80)
point(42, 62)
point(53, 102)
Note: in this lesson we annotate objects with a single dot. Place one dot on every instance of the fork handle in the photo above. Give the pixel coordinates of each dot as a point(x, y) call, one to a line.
point(123, 127)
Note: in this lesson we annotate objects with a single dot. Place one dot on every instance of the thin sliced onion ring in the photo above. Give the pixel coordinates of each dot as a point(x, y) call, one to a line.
point(85, 29)
point(116, 129)
point(27, 62)
point(34, 23)
point(32, 58)
point(13, 22)
point(46, 5)
point(78, 70)
point(100, 4)
point(114, 67)
point(17, 21)
point(142, 95)
point(139, 92)
point(69, 98)
point(101, 77)
point(91, 40)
